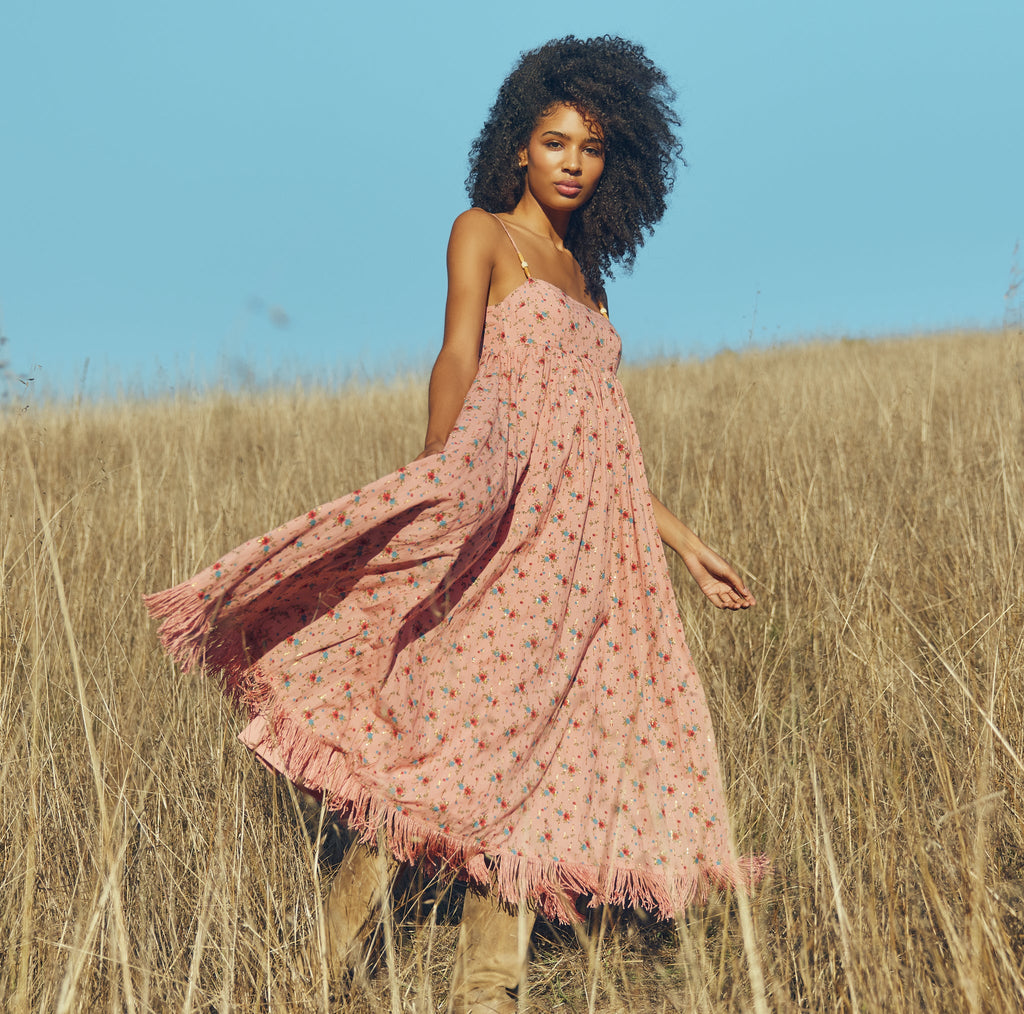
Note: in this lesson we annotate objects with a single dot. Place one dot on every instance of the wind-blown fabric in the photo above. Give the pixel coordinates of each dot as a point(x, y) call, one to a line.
point(480, 655)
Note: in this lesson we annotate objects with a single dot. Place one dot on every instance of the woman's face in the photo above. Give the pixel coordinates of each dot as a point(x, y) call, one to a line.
point(564, 158)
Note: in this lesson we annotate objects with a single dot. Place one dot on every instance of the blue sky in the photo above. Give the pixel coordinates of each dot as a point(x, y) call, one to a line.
point(224, 190)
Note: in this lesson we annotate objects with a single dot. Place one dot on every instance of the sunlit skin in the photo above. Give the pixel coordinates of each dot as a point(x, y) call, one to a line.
point(562, 166)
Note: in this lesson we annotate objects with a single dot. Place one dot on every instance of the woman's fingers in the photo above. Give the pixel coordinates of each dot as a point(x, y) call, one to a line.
point(720, 583)
point(726, 597)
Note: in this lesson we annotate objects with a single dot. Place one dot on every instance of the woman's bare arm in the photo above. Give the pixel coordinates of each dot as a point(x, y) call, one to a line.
point(470, 262)
point(719, 582)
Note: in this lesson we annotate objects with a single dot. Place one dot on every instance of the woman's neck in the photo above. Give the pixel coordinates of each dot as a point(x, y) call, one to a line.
point(529, 214)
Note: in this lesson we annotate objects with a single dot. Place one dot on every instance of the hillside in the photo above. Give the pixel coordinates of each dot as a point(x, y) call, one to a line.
point(869, 710)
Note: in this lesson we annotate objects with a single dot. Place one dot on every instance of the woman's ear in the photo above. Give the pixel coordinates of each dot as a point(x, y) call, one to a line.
point(522, 158)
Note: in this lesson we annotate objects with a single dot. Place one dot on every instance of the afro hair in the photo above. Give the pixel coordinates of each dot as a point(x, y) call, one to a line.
point(612, 82)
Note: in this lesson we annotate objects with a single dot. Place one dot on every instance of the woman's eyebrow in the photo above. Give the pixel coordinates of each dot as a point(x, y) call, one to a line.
point(559, 133)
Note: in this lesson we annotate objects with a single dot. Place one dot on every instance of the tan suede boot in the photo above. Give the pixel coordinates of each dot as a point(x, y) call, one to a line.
point(350, 911)
point(491, 958)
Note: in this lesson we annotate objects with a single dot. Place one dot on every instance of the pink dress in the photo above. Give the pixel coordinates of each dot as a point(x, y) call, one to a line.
point(480, 654)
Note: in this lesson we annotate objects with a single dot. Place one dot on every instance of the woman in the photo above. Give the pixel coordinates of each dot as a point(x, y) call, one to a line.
point(478, 659)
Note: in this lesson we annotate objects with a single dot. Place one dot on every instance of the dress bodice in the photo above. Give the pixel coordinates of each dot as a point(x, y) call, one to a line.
point(539, 317)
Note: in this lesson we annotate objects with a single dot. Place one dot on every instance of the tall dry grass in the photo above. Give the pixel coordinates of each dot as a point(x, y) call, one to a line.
point(870, 713)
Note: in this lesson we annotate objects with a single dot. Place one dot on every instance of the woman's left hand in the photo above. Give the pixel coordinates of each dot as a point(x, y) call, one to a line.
point(722, 585)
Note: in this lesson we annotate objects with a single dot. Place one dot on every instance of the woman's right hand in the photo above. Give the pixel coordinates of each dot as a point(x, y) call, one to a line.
point(434, 447)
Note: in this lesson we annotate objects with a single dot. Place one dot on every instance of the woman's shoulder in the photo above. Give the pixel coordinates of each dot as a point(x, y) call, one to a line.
point(476, 231)
point(474, 221)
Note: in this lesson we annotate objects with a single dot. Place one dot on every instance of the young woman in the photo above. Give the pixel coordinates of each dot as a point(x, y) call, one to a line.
point(478, 659)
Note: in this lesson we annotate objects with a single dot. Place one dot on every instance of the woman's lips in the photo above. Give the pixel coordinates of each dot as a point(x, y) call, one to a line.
point(568, 189)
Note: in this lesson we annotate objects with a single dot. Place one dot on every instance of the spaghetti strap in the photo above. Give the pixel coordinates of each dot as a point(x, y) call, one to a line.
point(526, 267)
point(522, 260)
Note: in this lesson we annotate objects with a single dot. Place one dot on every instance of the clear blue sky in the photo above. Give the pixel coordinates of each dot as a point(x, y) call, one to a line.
point(224, 189)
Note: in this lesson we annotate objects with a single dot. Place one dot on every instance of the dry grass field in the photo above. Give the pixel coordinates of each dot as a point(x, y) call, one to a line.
point(870, 710)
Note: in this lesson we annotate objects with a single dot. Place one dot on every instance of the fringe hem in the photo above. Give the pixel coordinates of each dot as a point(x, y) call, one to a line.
point(184, 632)
point(553, 887)
point(188, 635)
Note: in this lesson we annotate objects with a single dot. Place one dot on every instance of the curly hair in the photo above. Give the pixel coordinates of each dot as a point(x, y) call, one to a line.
point(613, 82)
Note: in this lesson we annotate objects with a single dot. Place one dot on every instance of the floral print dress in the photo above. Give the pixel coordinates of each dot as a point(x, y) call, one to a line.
point(480, 655)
